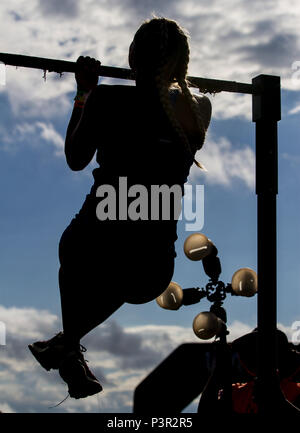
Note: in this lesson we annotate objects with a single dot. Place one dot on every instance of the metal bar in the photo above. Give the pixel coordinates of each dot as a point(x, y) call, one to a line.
point(266, 114)
point(60, 66)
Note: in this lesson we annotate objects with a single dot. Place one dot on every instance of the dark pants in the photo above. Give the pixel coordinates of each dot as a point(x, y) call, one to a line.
point(102, 267)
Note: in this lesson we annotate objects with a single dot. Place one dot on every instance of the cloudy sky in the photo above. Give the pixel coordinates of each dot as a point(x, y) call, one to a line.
point(230, 39)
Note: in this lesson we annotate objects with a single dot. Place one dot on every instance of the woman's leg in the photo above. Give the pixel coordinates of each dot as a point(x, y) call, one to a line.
point(94, 281)
point(87, 284)
point(86, 302)
point(150, 277)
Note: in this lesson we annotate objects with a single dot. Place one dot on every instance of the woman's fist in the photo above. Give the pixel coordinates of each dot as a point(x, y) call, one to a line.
point(87, 73)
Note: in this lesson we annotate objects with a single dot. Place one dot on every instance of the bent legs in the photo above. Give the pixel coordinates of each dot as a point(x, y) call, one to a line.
point(84, 306)
point(94, 282)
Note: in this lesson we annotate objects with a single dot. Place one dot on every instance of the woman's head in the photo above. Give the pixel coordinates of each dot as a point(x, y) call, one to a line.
point(160, 49)
point(159, 55)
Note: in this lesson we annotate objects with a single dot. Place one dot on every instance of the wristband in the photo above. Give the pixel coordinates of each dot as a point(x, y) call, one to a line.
point(81, 97)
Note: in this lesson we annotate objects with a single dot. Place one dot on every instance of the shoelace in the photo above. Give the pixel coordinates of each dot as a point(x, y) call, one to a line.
point(52, 407)
point(60, 335)
point(82, 349)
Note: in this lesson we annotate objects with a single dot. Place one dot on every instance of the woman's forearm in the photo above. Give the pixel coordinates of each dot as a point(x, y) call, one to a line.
point(74, 121)
point(70, 142)
point(80, 141)
point(79, 148)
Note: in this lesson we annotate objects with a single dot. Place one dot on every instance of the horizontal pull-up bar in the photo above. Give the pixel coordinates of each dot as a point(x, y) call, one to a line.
point(60, 66)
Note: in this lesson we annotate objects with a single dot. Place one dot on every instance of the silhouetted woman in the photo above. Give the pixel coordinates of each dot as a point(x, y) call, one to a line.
point(145, 135)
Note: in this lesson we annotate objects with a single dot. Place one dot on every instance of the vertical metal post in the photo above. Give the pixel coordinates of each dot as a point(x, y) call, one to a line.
point(266, 114)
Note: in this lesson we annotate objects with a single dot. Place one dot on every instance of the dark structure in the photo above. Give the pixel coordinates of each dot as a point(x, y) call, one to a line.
point(266, 113)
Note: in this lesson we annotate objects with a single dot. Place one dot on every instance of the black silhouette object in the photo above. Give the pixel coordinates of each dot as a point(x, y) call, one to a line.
point(148, 134)
point(195, 368)
point(224, 373)
point(245, 392)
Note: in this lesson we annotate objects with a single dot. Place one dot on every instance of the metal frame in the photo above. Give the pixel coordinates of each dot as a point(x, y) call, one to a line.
point(266, 114)
point(61, 66)
point(265, 90)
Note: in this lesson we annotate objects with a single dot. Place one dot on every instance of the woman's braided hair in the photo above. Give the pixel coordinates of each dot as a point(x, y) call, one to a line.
point(161, 52)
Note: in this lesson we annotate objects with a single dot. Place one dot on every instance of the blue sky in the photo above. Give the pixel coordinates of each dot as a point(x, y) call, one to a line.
point(40, 195)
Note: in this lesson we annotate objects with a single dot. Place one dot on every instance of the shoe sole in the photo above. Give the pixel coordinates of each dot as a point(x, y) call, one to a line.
point(84, 386)
point(39, 356)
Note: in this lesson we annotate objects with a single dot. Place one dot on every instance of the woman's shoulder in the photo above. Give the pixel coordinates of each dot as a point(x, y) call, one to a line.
point(184, 110)
point(113, 89)
point(202, 100)
point(108, 96)
point(205, 107)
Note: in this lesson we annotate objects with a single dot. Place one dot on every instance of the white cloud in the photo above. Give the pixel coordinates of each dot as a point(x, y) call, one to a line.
point(5, 408)
point(127, 356)
point(32, 134)
point(229, 105)
point(225, 163)
point(248, 39)
point(27, 322)
point(20, 373)
point(49, 134)
point(67, 9)
point(294, 110)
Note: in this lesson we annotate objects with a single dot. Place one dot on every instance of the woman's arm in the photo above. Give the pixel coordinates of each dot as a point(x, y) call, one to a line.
point(186, 116)
point(81, 137)
point(205, 108)
point(81, 140)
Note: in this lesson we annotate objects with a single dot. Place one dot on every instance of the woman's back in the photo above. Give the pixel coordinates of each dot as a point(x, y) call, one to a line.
point(137, 139)
point(138, 147)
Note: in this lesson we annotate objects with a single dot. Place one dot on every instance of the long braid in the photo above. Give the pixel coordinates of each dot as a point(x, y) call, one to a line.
point(194, 106)
point(169, 63)
point(163, 88)
point(192, 102)
point(164, 97)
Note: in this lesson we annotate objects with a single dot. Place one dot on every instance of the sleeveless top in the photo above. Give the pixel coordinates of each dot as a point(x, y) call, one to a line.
point(138, 144)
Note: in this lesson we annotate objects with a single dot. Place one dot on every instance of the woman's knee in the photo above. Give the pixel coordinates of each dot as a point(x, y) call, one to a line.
point(151, 283)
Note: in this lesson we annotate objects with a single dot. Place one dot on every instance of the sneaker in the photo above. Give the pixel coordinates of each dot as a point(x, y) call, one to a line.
point(49, 353)
point(79, 378)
